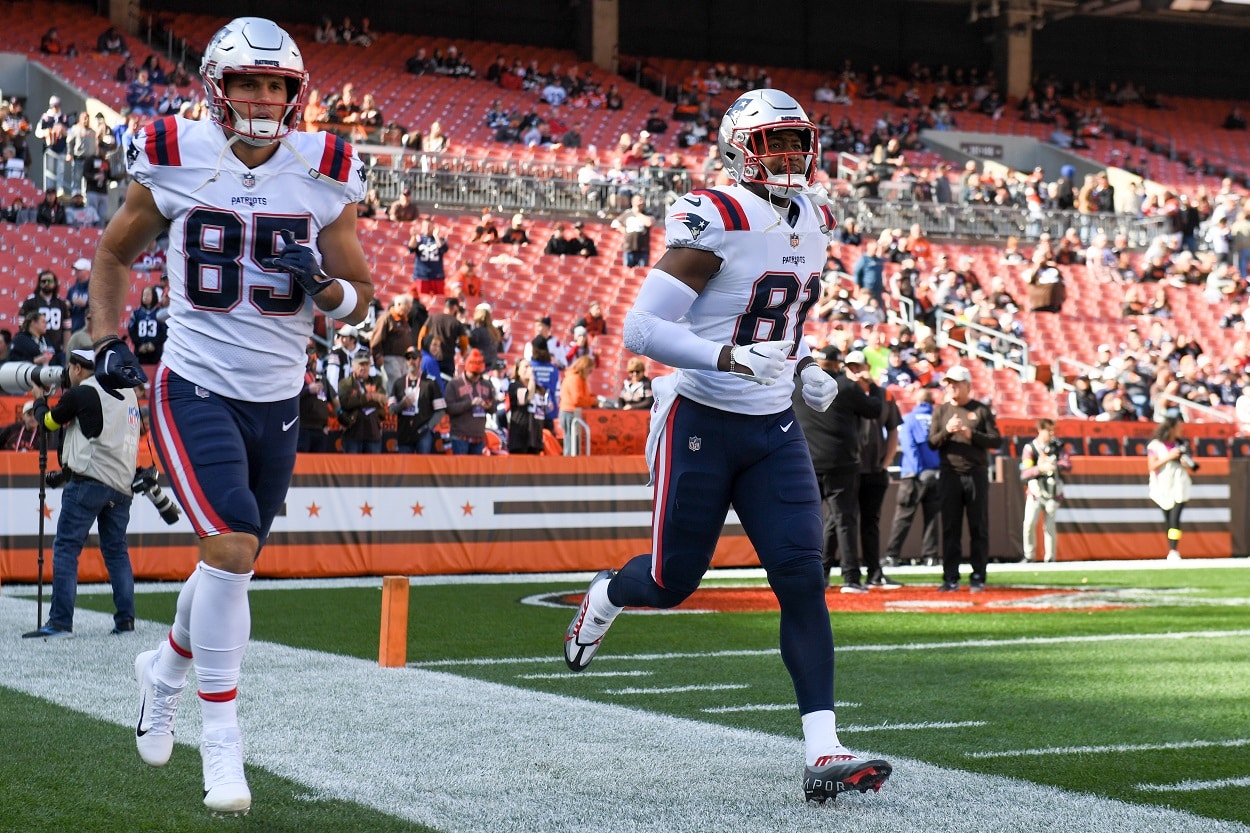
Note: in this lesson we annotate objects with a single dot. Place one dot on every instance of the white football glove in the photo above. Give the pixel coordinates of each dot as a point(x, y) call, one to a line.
point(819, 388)
point(766, 359)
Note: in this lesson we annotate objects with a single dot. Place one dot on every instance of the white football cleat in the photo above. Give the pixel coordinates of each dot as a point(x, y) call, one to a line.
point(585, 632)
point(158, 704)
point(225, 786)
point(1174, 556)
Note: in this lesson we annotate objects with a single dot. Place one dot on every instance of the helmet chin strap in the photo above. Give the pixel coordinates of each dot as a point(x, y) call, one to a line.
point(264, 132)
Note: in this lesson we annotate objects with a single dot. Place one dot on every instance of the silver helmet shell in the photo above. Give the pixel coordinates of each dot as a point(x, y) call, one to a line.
point(253, 46)
point(743, 141)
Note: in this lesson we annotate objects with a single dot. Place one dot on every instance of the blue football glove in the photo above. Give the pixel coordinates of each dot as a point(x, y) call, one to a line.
point(116, 367)
point(300, 261)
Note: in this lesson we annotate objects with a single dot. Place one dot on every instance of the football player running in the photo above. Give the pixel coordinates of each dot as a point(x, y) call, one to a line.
point(262, 229)
point(725, 305)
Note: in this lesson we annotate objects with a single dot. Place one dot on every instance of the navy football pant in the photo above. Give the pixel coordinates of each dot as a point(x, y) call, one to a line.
point(709, 460)
point(230, 462)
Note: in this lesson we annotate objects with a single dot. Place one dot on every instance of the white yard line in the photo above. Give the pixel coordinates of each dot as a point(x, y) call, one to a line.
point(913, 727)
point(1195, 786)
point(906, 646)
point(1112, 748)
point(467, 756)
point(765, 707)
point(565, 675)
point(678, 689)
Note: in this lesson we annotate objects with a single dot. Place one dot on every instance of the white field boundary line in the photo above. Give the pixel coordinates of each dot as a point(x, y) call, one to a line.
point(1195, 786)
point(1232, 743)
point(908, 646)
point(411, 744)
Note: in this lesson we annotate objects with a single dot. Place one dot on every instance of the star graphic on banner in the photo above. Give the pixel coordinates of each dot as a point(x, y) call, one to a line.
point(467, 508)
point(366, 510)
point(314, 511)
point(47, 511)
point(418, 509)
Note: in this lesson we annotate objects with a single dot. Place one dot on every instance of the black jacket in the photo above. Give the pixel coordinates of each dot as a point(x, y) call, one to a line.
point(833, 436)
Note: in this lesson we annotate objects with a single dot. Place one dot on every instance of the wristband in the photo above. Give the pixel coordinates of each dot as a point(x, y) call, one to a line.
point(96, 346)
point(348, 305)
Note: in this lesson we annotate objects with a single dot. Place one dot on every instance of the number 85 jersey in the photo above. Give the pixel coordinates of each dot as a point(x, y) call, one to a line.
point(768, 280)
point(237, 328)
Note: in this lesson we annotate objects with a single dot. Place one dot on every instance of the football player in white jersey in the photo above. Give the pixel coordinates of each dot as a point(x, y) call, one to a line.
point(726, 306)
point(262, 227)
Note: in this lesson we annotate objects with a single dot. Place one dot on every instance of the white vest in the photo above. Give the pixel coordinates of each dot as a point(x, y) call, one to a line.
point(110, 457)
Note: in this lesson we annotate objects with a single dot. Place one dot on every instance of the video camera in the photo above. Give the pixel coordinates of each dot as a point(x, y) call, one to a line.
point(17, 378)
point(145, 484)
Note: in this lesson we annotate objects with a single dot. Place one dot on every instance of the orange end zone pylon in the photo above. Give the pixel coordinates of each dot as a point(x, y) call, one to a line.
point(393, 644)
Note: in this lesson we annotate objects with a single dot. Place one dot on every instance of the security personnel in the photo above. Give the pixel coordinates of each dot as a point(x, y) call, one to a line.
point(98, 453)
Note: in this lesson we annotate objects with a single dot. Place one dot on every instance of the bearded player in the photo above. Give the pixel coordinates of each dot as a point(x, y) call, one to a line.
point(726, 306)
point(262, 230)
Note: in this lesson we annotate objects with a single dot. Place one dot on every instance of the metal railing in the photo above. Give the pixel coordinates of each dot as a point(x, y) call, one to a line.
point(947, 323)
point(580, 429)
point(1188, 407)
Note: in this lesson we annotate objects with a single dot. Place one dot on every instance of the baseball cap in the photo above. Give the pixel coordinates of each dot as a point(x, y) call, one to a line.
point(475, 362)
point(545, 320)
point(1102, 347)
point(855, 357)
point(54, 101)
point(412, 352)
point(82, 263)
point(829, 353)
point(347, 330)
point(84, 357)
point(482, 306)
point(579, 331)
point(958, 373)
point(28, 407)
point(363, 358)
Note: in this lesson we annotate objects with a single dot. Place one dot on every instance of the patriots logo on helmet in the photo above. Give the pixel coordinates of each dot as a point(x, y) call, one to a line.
point(737, 107)
point(694, 222)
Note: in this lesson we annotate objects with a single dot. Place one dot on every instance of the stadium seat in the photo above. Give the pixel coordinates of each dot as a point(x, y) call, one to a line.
point(1104, 447)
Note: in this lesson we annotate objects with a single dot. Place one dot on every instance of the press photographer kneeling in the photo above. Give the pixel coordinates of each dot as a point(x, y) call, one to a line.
point(98, 453)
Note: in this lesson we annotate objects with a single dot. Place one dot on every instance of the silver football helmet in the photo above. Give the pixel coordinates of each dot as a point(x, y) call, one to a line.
point(743, 139)
point(253, 45)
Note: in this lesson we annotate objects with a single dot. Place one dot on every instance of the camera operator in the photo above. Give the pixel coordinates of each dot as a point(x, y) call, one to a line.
point(98, 453)
point(22, 435)
point(1043, 463)
point(418, 405)
point(1170, 465)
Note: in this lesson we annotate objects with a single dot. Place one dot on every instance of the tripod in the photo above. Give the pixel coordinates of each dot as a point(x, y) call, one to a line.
point(43, 502)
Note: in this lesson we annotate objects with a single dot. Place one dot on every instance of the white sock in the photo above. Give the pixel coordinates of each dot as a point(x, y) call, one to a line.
point(600, 607)
point(221, 622)
point(820, 736)
point(171, 667)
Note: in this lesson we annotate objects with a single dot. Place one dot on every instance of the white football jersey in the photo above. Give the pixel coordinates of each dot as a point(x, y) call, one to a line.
point(768, 280)
point(237, 328)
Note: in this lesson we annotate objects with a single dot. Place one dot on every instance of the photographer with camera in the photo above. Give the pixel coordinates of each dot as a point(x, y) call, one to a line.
point(98, 453)
point(1170, 464)
point(1043, 463)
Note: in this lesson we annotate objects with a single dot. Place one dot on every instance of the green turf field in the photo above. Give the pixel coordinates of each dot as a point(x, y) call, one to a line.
point(1147, 703)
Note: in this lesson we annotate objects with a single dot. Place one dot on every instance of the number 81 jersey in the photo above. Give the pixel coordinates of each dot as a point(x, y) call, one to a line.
point(768, 280)
point(235, 327)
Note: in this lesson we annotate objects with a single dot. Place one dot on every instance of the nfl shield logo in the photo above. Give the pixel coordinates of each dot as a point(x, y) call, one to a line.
point(695, 443)
point(249, 181)
point(794, 240)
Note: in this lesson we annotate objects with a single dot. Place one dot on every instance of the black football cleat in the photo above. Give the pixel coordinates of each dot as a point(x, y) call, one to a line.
point(842, 773)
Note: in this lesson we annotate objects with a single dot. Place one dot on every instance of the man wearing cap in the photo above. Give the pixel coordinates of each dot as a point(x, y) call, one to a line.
point(833, 438)
point(362, 403)
point(451, 331)
point(53, 129)
point(963, 431)
point(918, 483)
point(403, 210)
point(22, 435)
point(98, 454)
point(418, 404)
point(469, 399)
point(77, 294)
point(580, 244)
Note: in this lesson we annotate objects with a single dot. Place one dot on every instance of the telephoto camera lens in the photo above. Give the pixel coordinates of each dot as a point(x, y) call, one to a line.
point(18, 377)
point(170, 513)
